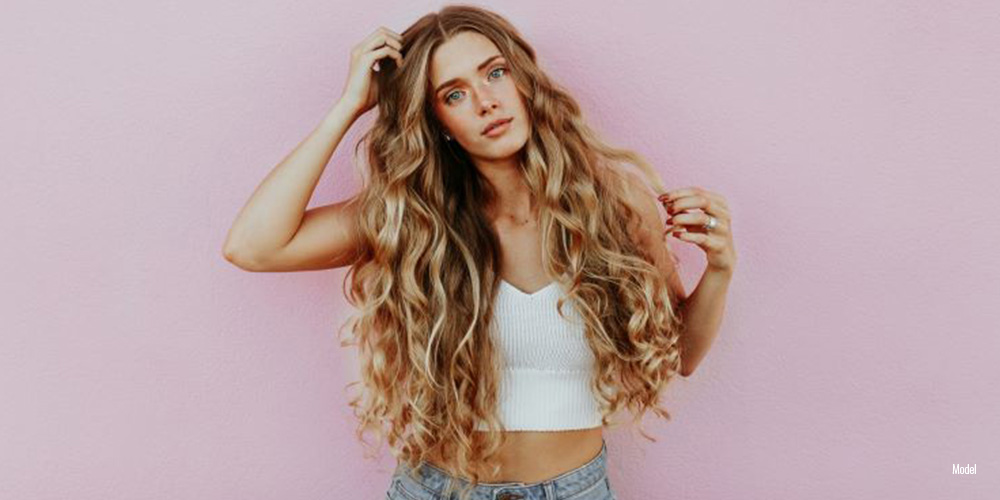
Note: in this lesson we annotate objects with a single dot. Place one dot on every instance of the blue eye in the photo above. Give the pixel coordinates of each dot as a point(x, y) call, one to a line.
point(448, 99)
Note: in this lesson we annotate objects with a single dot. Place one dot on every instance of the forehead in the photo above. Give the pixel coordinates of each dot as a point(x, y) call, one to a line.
point(459, 56)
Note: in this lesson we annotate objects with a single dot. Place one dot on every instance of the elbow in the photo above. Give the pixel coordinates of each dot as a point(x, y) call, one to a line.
point(228, 253)
point(238, 259)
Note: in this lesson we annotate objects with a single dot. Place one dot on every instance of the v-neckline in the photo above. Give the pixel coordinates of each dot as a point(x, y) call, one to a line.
point(526, 294)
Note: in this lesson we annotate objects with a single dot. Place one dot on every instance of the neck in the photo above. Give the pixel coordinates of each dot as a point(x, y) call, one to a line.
point(513, 198)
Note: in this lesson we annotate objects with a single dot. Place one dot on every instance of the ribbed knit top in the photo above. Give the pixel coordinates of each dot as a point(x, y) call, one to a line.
point(545, 379)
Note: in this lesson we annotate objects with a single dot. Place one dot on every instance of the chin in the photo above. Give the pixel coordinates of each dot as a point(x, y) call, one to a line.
point(511, 143)
point(506, 150)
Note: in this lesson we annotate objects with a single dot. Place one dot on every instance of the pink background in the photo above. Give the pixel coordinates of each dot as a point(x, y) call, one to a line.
point(855, 141)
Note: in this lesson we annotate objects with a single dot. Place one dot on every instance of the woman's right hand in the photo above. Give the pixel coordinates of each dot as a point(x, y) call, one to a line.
point(361, 89)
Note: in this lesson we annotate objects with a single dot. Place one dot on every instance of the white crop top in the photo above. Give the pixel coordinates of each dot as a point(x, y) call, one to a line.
point(545, 379)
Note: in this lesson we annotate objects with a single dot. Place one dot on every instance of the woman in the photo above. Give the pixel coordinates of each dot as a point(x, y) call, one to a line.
point(512, 278)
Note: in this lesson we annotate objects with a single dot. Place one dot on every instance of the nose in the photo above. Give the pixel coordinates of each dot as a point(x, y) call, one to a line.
point(487, 105)
point(487, 102)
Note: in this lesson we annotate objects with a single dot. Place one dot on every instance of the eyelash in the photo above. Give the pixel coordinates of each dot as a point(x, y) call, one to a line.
point(447, 97)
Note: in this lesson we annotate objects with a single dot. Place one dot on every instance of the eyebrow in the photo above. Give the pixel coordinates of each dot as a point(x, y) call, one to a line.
point(478, 68)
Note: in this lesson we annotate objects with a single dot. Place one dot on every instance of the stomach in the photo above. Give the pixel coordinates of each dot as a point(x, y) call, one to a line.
point(536, 456)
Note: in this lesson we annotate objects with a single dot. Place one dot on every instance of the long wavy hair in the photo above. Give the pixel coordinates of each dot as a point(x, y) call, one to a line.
point(427, 271)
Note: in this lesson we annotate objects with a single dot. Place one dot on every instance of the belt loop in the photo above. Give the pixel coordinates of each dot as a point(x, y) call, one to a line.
point(550, 490)
point(447, 486)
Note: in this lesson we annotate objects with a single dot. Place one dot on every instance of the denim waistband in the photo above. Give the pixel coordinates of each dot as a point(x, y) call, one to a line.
point(435, 481)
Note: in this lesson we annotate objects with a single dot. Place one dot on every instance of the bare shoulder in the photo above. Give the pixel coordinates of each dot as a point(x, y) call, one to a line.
point(650, 229)
point(641, 200)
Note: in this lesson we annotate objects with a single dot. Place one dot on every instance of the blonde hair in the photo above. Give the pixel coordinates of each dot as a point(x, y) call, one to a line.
point(428, 269)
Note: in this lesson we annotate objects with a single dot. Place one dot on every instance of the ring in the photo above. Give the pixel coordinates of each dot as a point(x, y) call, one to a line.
point(711, 224)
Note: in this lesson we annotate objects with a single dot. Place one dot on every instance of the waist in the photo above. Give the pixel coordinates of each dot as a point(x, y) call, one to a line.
point(533, 456)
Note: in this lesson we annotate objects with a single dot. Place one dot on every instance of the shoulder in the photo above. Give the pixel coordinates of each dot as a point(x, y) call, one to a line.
point(643, 201)
point(648, 230)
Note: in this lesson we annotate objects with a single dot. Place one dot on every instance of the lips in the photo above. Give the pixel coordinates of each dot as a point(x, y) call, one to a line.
point(495, 123)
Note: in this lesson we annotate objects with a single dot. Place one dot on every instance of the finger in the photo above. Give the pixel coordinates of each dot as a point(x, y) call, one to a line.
point(717, 199)
point(679, 226)
point(695, 222)
point(385, 51)
point(673, 198)
point(707, 205)
point(676, 232)
point(702, 240)
point(707, 242)
point(693, 205)
point(391, 33)
point(381, 42)
point(379, 39)
point(392, 42)
point(674, 194)
point(370, 42)
point(711, 195)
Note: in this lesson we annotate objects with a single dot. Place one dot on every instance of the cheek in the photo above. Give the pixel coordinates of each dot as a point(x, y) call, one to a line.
point(451, 119)
point(513, 96)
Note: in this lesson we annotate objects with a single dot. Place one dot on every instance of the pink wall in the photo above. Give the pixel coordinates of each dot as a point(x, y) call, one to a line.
point(856, 143)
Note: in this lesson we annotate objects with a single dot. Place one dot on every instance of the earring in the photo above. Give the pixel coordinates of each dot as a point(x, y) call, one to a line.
point(447, 137)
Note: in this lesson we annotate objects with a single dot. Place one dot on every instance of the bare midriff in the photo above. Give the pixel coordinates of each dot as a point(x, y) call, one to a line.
point(532, 456)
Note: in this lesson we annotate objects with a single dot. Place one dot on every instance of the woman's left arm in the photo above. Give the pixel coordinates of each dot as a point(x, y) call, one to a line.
point(702, 314)
point(702, 311)
point(709, 229)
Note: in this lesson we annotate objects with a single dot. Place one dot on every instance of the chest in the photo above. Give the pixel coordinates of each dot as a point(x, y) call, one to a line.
point(521, 257)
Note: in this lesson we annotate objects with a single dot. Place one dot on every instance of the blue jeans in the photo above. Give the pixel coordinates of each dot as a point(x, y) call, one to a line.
point(586, 482)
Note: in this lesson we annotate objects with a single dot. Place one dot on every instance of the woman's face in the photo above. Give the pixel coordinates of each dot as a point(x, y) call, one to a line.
point(472, 87)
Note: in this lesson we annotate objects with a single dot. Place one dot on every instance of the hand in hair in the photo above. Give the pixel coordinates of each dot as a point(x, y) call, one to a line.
point(361, 90)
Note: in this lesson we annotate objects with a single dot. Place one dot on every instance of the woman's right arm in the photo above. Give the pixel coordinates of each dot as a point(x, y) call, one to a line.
point(273, 231)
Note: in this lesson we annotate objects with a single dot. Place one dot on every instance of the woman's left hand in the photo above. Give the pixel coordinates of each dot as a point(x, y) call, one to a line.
point(686, 224)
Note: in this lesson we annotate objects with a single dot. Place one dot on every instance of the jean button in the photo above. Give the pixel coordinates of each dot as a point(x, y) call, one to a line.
point(509, 496)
